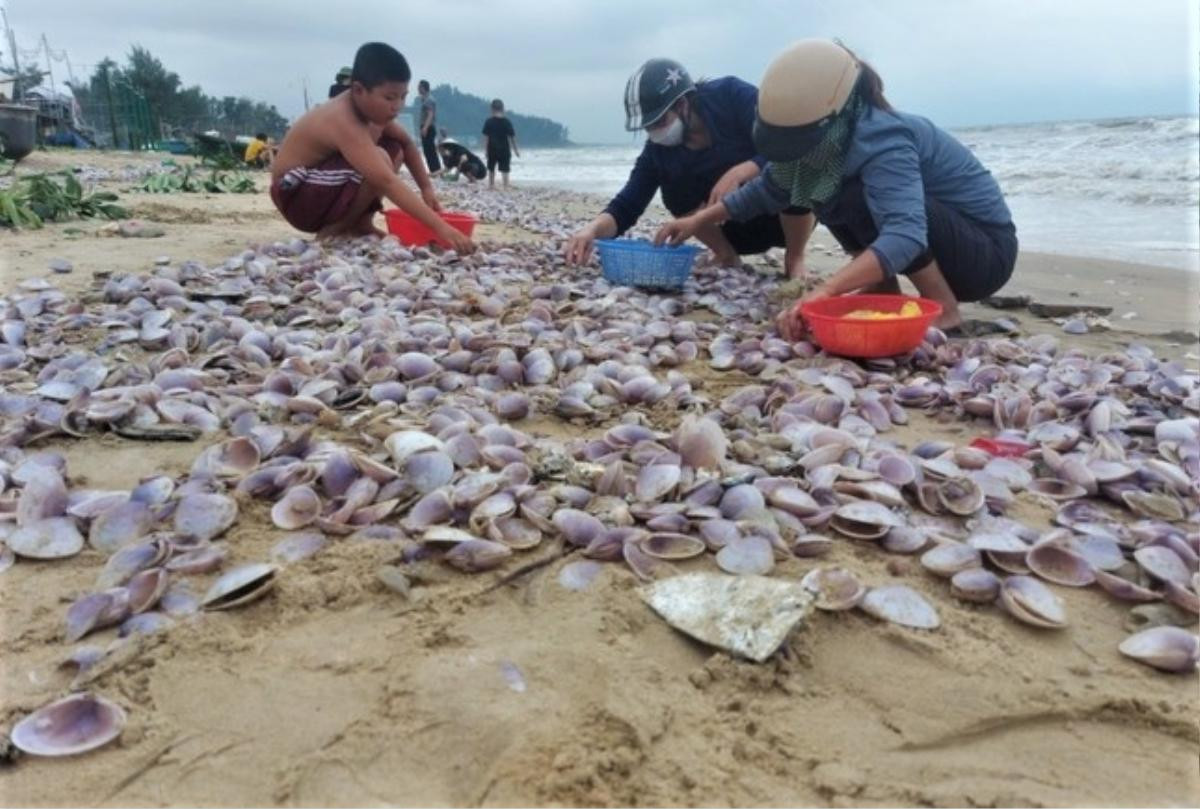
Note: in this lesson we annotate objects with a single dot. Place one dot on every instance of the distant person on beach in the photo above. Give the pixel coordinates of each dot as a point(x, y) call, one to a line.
point(900, 195)
point(341, 83)
point(499, 143)
point(699, 147)
point(340, 158)
point(428, 127)
point(460, 159)
point(259, 152)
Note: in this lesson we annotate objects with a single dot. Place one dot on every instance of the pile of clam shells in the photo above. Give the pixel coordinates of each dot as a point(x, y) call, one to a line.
point(420, 399)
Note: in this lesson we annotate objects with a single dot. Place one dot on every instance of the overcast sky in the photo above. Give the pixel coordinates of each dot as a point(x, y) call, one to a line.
point(960, 62)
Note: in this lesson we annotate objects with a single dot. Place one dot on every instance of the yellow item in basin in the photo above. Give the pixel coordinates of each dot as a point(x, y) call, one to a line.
point(910, 309)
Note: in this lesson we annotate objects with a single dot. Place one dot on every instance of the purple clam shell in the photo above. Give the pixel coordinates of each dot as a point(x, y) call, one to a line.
point(72, 725)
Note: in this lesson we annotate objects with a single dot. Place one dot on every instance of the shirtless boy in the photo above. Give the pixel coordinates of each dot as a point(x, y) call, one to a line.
point(339, 159)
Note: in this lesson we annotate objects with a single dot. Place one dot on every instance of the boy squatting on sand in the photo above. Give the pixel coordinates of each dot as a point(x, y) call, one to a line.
point(339, 159)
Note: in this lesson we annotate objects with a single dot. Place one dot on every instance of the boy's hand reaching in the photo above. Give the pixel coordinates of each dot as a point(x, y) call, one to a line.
point(459, 241)
point(431, 199)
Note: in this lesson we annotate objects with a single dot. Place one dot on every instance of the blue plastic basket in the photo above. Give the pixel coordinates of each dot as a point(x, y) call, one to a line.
point(638, 263)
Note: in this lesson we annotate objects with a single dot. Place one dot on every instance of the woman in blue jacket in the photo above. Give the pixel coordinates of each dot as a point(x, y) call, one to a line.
point(900, 195)
point(700, 146)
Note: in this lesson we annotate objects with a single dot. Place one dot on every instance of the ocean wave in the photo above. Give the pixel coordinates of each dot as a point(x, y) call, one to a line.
point(1070, 182)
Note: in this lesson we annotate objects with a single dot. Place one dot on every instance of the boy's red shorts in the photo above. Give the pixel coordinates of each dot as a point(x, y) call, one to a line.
point(312, 197)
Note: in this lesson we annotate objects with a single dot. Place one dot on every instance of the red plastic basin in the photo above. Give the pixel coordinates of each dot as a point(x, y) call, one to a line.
point(412, 231)
point(867, 338)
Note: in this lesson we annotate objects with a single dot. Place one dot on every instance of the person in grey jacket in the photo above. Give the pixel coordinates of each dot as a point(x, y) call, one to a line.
point(900, 195)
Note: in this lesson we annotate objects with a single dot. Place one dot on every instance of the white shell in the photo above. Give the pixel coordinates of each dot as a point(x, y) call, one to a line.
point(1168, 648)
point(1161, 563)
point(747, 556)
point(900, 605)
point(52, 538)
point(408, 442)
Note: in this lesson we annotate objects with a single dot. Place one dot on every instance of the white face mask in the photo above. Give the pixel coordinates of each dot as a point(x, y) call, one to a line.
point(669, 135)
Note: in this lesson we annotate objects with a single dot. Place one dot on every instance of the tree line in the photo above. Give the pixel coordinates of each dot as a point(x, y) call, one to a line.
point(178, 110)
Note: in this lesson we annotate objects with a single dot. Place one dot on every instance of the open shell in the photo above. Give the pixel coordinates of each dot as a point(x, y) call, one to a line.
point(643, 565)
point(1123, 589)
point(1057, 563)
point(835, 588)
point(131, 559)
point(1057, 489)
point(300, 506)
point(515, 532)
point(961, 496)
point(1155, 505)
point(146, 588)
point(808, 546)
point(673, 546)
point(239, 586)
point(864, 520)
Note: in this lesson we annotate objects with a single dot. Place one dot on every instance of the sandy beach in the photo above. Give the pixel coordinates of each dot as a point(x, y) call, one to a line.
point(335, 691)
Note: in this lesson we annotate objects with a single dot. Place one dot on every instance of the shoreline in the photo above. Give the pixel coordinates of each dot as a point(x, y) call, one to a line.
point(1188, 255)
point(507, 687)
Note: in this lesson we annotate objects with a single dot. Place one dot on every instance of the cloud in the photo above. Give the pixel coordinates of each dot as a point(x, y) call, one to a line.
point(965, 62)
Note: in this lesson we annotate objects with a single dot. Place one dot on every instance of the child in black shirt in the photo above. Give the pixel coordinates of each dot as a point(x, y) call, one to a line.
point(499, 143)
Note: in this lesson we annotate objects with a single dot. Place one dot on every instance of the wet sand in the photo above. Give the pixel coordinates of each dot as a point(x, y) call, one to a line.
point(335, 691)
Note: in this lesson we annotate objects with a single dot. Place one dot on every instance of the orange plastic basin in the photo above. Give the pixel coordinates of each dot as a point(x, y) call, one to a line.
point(867, 338)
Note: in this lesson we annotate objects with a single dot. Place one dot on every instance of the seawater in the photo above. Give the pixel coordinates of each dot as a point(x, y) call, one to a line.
point(1125, 189)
